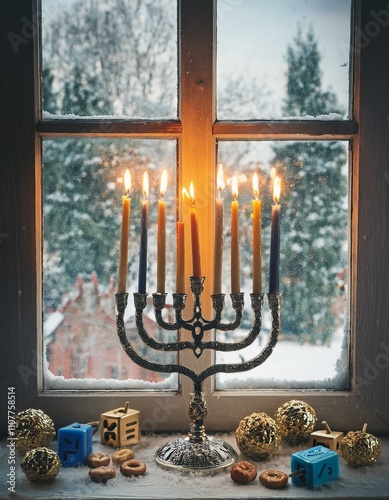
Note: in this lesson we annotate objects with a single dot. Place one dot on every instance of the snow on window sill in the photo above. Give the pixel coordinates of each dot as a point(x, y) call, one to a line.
point(357, 483)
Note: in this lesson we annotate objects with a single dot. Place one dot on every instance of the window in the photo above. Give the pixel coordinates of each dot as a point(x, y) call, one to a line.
point(197, 135)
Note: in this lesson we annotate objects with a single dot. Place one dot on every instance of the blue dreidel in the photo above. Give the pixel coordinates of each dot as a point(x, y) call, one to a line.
point(74, 444)
point(314, 467)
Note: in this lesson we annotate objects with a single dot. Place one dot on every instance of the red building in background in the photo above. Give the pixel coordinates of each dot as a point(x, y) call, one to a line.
point(81, 339)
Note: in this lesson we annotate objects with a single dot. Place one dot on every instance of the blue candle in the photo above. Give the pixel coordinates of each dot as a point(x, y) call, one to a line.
point(143, 237)
point(274, 284)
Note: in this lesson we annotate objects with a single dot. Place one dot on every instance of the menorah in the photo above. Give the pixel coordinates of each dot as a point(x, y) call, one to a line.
point(198, 451)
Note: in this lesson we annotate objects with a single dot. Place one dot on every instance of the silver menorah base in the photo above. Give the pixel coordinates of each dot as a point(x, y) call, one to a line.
point(198, 452)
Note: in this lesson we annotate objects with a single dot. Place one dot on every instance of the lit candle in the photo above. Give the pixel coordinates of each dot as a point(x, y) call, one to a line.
point(194, 227)
point(257, 250)
point(218, 248)
point(161, 241)
point(143, 237)
point(235, 264)
point(180, 269)
point(123, 255)
point(274, 284)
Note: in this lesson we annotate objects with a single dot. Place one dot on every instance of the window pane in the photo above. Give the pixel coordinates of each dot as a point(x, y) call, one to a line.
point(83, 186)
point(283, 58)
point(110, 57)
point(312, 351)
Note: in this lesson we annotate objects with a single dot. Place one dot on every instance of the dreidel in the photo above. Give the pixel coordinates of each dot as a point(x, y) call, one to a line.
point(120, 427)
point(74, 444)
point(314, 467)
point(328, 438)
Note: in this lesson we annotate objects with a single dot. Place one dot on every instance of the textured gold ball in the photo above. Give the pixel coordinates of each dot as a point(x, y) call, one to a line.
point(296, 420)
point(33, 428)
point(258, 436)
point(360, 448)
point(41, 464)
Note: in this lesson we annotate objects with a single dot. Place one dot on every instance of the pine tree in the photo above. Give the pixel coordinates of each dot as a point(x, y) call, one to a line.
point(314, 203)
point(78, 203)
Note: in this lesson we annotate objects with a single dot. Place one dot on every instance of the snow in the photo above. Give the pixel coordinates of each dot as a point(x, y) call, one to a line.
point(292, 365)
point(55, 382)
point(117, 116)
point(58, 116)
point(51, 323)
point(157, 483)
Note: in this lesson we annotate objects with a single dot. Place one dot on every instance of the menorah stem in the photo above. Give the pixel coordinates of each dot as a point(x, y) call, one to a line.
point(197, 412)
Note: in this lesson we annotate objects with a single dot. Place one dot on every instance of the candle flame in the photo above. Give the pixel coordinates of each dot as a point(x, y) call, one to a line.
point(163, 187)
point(146, 185)
point(255, 185)
point(127, 181)
point(185, 193)
point(191, 192)
point(277, 189)
point(234, 187)
point(220, 178)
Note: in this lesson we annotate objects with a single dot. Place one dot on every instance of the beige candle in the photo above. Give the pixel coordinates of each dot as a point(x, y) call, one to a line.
point(161, 239)
point(257, 247)
point(123, 254)
point(235, 261)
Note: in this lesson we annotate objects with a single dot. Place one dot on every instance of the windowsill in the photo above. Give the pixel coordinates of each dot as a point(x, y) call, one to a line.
point(357, 483)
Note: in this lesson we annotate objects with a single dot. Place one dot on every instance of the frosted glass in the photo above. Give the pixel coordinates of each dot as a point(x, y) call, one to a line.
point(83, 186)
point(110, 57)
point(312, 351)
point(254, 37)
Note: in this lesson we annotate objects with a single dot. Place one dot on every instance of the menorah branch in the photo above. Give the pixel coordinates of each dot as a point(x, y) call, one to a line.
point(198, 451)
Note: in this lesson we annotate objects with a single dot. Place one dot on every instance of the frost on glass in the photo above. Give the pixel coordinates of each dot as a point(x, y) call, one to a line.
point(270, 49)
point(109, 57)
point(312, 351)
point(83, 186)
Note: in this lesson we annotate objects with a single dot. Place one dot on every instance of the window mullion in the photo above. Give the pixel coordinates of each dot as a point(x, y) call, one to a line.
point(197, 153)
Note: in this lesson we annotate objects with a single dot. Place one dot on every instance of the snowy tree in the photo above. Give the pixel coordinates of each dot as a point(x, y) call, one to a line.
point(98, 63)
point(127, 52)
point(314, 203)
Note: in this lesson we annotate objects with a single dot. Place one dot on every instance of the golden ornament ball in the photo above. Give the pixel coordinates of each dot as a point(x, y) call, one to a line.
point(360, 448)
point(258, 436)
point(296, 420)
point(33, 428)
point(40, 464)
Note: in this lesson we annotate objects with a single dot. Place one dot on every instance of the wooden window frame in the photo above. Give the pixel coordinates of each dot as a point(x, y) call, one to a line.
point(197, 133)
